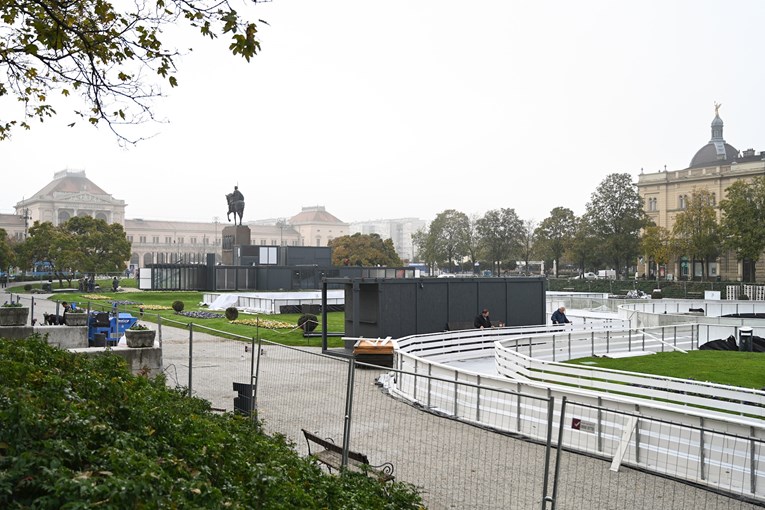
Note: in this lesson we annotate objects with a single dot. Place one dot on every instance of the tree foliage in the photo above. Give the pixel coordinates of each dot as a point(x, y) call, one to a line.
point(7, 253)
point(616, 215)
point(94, 246)
point(743, 220)
point(364, 250)
point(447, 238)
point(80, 244)
point(695, 231)
point(657, 245)
point(500, 232)
point(527, 242)
point(554, 235)
point(583, 249)
point(105, 52)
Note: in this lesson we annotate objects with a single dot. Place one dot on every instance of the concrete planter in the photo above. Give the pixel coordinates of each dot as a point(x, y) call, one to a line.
point(13, 315)
point(140, 337)
point(76, 319)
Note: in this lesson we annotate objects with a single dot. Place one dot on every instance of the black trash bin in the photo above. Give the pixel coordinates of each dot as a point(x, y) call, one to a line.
point(745, 338)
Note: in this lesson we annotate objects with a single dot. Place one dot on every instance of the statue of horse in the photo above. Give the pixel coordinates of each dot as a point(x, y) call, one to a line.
point(234, 206)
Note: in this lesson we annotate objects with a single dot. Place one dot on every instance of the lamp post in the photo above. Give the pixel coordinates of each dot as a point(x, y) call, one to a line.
point(216, 244)
point(282, 224)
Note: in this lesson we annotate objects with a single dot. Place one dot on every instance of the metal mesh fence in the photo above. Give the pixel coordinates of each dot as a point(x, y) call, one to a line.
point(592, 482)
point(435, 443)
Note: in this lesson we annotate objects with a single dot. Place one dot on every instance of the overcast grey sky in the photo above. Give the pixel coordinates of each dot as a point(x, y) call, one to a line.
point(407, 108)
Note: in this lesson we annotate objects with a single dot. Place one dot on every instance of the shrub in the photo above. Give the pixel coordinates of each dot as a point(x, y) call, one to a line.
point(27, 287)
point(138, 440)
point(232, 313)
point(656, 294)
point(177, 306)
point(307, 322)
point(138, 327)
point(13, 304)
point(743, 297)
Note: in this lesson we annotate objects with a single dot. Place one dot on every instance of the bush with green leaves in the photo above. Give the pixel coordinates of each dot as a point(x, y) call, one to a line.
point(27, 287)
point(232, 313)
point(177, 306)
point(80, 431)
point(307, 322)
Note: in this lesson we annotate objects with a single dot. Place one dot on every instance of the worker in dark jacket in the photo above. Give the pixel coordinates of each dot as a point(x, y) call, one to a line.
point(559, 316)
point(482, 320)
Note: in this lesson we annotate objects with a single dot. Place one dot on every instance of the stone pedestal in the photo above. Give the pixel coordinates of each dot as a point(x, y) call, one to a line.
point(238, 235)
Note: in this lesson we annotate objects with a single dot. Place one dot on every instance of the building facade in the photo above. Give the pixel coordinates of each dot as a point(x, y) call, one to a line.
point(714, 167)
point(401, 231)
point(71, 193)
point(317, 227)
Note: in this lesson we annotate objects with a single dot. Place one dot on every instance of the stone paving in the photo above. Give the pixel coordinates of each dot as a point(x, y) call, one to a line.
point(456, 465)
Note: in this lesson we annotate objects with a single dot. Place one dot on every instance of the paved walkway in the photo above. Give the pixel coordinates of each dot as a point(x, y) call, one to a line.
point(455, 464)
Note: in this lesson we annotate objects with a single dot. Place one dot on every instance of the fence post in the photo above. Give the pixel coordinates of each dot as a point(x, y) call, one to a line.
point(159, 328)
point(348, 412)
point(752, 463)
point(600, 424)
point(191, 358)
point(556, 476)
point(430, 384)
point(456, 391)
point(32, 311)
point(478, 399)
point(254, 379)
point(702, 453)
point(548, 447)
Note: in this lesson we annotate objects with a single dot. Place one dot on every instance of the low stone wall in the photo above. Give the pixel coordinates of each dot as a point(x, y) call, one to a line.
point(141, 361)
point(63, 337)
point(146, 361)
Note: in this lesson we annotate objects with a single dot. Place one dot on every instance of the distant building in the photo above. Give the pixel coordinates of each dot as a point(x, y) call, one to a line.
point(71, 193)
point(317, 227)
point(400, 231)
point(714, 167)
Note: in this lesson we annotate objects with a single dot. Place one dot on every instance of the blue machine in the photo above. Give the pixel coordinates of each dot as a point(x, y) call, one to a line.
point(108, 328)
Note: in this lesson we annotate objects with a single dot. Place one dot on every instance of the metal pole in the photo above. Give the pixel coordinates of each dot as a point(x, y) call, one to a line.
point(348, 412)
point(252, 377)
point(257, 378)
point(32, 311)
point(556, 476)
point(548, 447)
point(191, 348)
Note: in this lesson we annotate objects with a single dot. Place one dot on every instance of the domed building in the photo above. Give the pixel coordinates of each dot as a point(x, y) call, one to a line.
point(71, 193)
point(714, 167)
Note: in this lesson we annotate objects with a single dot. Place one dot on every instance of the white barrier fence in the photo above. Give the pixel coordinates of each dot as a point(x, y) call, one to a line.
point(662, 425)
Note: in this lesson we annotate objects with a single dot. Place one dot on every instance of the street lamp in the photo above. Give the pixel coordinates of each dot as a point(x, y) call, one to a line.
point(282, 224)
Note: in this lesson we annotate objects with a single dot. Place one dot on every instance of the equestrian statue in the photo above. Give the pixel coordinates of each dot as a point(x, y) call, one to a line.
point(235, 204)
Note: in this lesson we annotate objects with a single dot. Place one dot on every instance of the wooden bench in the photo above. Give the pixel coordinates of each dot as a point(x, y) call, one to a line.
point(331, 455)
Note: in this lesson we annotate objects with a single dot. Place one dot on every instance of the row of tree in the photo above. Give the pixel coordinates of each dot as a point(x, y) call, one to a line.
point(79, 245)
point(613, 231)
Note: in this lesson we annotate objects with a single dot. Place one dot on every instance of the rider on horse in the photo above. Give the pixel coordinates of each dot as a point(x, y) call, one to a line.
point(235, 204)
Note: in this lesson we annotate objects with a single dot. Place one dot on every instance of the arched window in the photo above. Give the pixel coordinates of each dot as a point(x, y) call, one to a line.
point(63, 216)
point(681, 202)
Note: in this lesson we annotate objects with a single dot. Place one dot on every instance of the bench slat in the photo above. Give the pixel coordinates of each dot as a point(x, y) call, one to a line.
point(332, 457)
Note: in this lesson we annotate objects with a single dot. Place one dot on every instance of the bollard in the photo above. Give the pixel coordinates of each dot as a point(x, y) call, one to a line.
point(745, 338)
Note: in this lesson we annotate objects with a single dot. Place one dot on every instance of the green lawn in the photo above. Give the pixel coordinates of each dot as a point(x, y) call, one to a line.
point(285, 332)
point(745, 369)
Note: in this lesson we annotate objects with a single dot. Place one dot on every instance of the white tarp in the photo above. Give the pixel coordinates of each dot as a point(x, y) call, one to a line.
point(224, 301)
